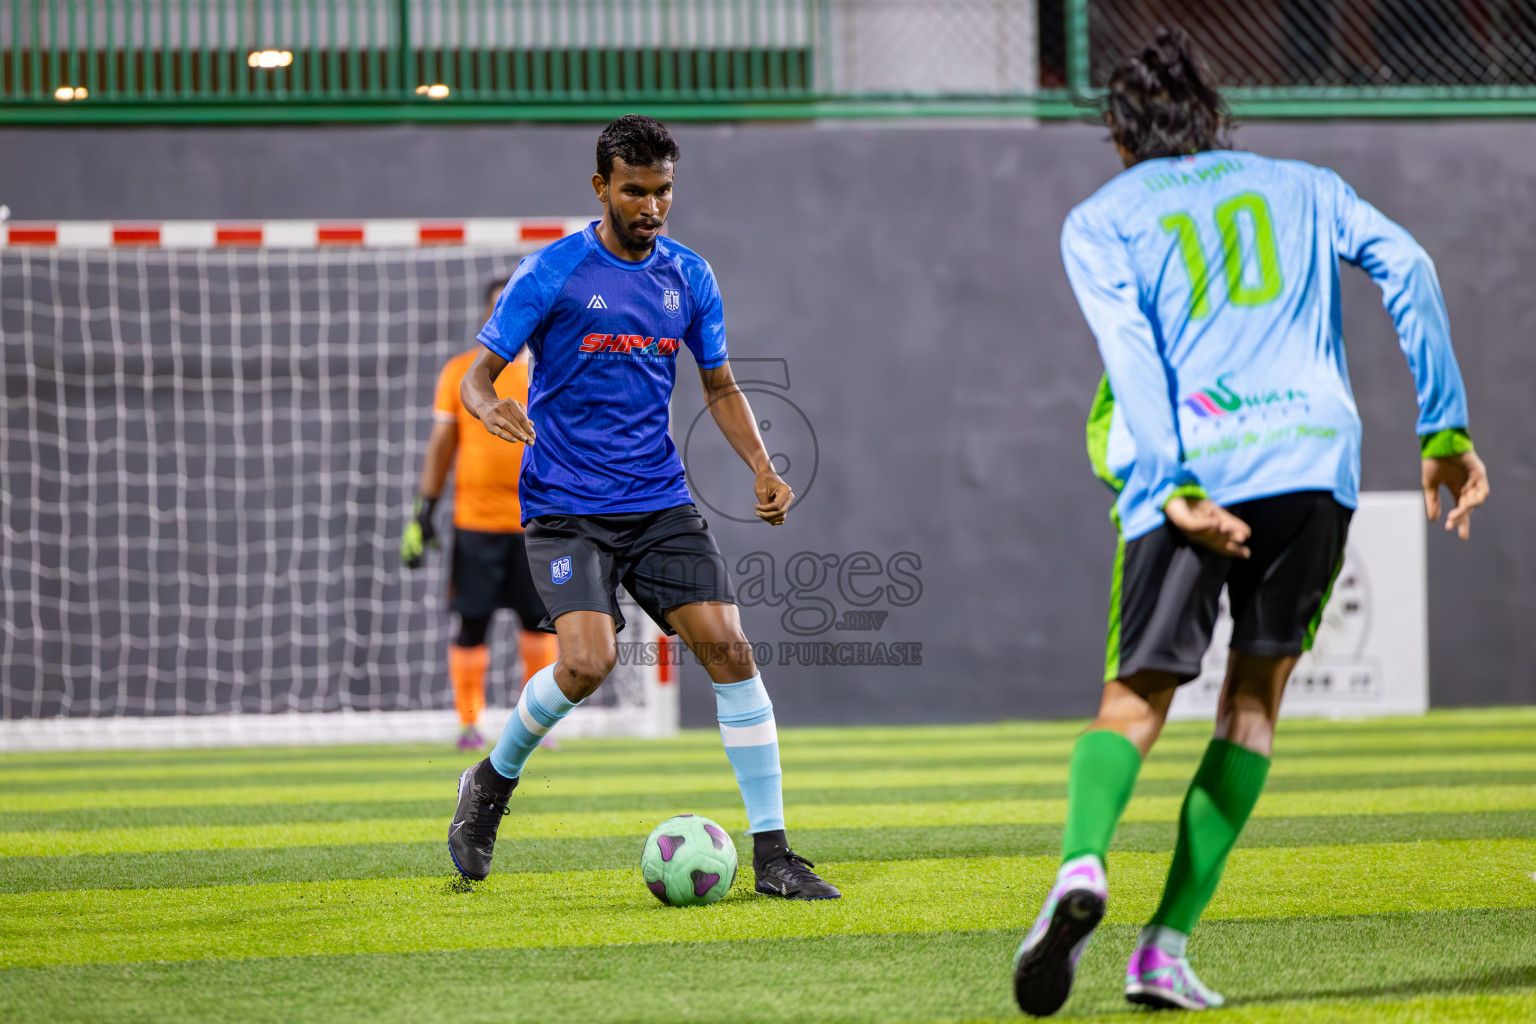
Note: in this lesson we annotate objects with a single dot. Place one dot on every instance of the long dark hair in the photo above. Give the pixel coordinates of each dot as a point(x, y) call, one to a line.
point(1161, 102)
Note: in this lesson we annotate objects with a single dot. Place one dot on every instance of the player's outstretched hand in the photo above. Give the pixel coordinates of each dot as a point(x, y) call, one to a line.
point(1466, 478)
point(773, 498)
point(508, 420)
point(1207, 523)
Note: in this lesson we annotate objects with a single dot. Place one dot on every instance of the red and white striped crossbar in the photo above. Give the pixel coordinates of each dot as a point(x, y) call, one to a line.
point(288, 234)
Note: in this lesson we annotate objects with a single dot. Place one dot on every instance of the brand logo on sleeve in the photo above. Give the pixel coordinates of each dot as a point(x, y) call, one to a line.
point(560, 569)
point(671, 301)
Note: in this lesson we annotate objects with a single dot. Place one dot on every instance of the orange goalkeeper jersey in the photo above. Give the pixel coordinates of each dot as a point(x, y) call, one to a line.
point(486, 468)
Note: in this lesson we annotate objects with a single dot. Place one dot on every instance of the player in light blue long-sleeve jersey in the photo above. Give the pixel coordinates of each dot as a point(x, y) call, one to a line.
point(1226, 426)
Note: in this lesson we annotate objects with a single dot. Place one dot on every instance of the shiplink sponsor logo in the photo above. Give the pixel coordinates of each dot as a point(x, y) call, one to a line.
point(627, 346)
point(1221, 400)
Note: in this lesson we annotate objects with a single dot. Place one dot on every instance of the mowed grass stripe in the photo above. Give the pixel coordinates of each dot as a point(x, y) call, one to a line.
point(573, 825)
point(829, 848)
point(687, 740)
point(555, 764)
point(666, 801)
point(610, 907)
point(720, 778)
point(1337, 969)
point(666, 756)
point(1454, 726)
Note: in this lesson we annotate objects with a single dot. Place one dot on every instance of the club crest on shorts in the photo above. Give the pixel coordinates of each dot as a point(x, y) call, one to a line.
point(671, 301)
point(560, 569)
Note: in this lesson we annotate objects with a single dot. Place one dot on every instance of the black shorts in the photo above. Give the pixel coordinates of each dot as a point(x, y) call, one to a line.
point(664, 559)
point(490, 571)
point(1166, 589)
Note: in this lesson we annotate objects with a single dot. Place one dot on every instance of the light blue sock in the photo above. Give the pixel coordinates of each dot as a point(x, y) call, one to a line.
point(538, 709)
point(752, 745)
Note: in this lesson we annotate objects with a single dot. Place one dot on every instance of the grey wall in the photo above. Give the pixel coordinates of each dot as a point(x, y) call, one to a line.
point(908, 277)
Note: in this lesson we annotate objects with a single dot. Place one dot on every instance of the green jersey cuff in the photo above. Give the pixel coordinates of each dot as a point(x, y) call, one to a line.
point(1444, 444)
point(1194, 492)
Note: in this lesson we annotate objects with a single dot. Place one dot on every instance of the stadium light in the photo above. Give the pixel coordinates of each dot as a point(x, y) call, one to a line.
point(269, 58)
point(432, 92)
point(70, 92)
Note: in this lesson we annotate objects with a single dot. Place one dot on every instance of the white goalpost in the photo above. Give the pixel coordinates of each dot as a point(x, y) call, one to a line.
point(210, 437)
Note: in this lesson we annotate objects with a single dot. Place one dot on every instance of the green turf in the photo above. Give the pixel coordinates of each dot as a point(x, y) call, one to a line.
point(552, 824)
point(944, 976)
point(651, 776)
point(181, 868)
point(1386, 876)
point(660, 804)
point(384, 768)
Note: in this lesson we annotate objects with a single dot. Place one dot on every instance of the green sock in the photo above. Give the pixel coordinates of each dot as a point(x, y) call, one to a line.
point(1220, 798)
point(1104, 769)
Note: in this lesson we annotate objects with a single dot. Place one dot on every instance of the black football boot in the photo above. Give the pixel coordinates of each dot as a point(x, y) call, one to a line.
point(472, 835)
point(788, 875)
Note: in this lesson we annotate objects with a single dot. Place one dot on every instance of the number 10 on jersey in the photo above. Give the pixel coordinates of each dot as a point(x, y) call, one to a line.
point(1241, 289)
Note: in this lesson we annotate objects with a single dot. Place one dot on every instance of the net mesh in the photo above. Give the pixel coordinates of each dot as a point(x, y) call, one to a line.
point(208, 457)
point(932, 47)
point(1369, 43)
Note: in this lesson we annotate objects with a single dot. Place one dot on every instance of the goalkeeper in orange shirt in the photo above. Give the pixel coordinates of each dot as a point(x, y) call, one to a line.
point(489, 563)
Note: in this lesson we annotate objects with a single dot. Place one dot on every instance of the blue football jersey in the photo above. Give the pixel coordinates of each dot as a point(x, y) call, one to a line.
point(1211, 283)
point(604, 333)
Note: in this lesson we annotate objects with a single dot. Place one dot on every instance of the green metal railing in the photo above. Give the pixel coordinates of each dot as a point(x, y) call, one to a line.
point(223, 52)
point(93, 61)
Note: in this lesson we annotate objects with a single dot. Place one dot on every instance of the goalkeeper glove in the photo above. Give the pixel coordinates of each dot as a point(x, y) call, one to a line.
point(420, 534)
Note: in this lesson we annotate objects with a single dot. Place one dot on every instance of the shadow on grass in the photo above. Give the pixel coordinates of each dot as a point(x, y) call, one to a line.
point(1484, 983)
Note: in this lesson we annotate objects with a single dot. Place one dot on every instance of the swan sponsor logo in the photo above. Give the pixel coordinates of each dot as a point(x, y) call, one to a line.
point(1221, 400)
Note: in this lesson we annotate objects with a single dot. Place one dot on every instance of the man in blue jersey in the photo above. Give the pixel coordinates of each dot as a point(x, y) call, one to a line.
point(1226, 426)
point(604, 497)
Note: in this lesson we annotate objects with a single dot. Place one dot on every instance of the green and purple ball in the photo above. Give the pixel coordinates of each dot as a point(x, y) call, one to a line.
point(688, 860)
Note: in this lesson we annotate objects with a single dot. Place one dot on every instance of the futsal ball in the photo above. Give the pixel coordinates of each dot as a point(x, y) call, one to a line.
point(688, 860)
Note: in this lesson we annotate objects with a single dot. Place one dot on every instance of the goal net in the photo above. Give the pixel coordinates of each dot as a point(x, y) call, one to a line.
point(208, 455)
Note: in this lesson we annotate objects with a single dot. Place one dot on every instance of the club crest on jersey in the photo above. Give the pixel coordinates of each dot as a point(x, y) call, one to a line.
point(560, 569)
point(671, 301)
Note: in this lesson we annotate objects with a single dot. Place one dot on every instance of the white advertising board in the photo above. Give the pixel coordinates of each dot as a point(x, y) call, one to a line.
point(1371, 656)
